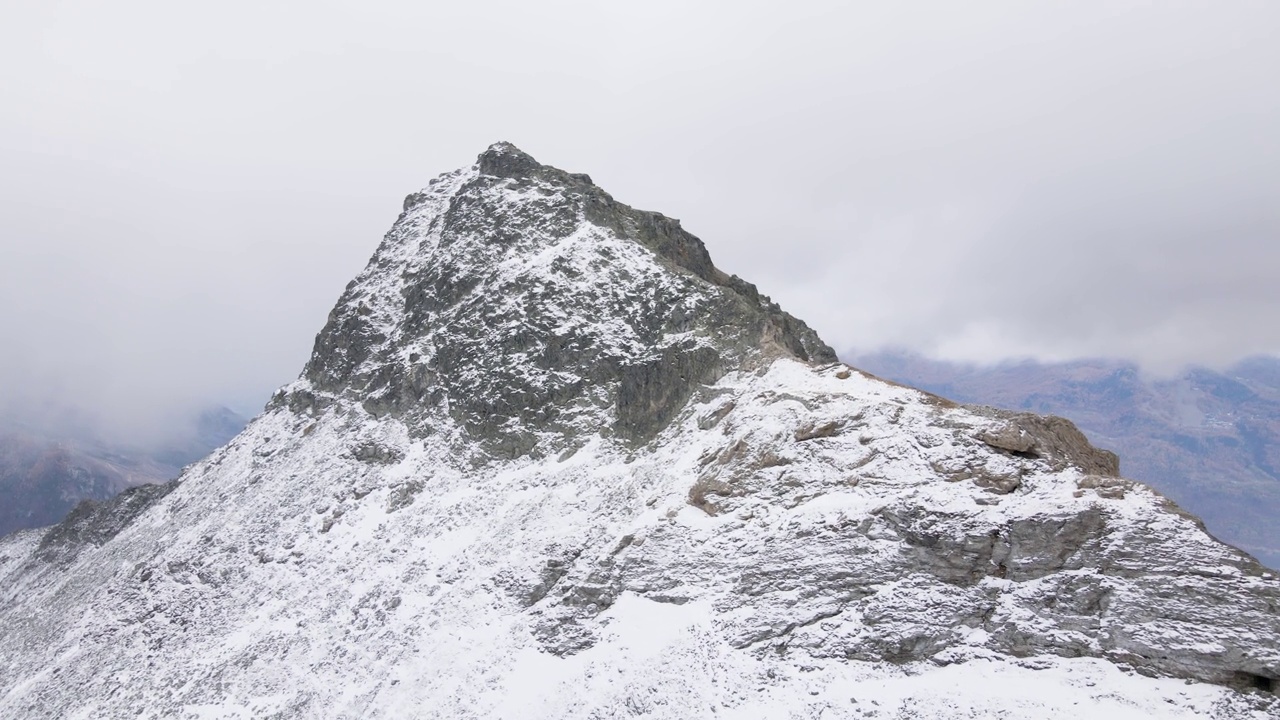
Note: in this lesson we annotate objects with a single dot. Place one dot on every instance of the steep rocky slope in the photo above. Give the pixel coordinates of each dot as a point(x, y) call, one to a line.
point(1208, 439)
point(547, 461)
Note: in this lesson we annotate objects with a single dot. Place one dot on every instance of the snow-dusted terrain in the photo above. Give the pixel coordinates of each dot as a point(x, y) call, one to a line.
point(548, 462)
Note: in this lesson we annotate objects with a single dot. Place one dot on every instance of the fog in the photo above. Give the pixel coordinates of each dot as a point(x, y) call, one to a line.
point(187, 188)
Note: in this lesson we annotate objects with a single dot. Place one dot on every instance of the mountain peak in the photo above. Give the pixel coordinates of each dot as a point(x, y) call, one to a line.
point(503, 147)
point(547, 461)
point(527, 303)
point(505, 160)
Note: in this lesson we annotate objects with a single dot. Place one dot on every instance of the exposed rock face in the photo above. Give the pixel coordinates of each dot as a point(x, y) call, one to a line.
point(520, 299)
point(91, 524)
point(1054, 439)
point(547, 461)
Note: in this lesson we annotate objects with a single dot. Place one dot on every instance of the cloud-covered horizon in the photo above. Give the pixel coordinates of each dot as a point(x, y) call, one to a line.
point(188, 188)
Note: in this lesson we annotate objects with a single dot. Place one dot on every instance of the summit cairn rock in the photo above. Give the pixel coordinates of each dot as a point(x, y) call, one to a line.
point(547, 461)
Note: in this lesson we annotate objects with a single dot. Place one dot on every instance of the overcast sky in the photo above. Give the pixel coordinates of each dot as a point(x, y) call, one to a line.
point(187, 187)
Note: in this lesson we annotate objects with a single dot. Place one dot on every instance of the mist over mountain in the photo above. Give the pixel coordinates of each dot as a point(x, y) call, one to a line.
point(184, 244)
point(1208, 439)
point(50, 462)
point(547, 460)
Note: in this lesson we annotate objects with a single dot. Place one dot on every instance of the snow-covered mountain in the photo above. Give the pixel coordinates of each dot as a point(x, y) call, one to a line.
point(547, 461)
point(1209, 439)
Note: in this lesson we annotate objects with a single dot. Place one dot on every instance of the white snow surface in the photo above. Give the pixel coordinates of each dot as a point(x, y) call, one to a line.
point(725, 569)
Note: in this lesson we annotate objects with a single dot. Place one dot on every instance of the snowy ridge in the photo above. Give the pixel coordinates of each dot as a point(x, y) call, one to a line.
point(546, 463)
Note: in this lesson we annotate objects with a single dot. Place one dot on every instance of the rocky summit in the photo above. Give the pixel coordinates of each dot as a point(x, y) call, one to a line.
point(547, 461)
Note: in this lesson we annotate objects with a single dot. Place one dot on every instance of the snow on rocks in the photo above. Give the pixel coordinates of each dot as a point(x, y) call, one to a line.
point(548, 462)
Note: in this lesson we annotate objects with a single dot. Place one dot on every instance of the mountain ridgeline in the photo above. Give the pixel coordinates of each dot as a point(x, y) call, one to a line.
point(46, 471)
point(1208, 439)
point(547, 461)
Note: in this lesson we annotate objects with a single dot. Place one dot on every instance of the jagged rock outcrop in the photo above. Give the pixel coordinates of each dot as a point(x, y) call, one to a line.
point(531, 331)
point(92, 523)
point(547, 461)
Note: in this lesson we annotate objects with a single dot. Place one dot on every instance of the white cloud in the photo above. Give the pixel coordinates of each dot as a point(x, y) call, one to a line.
point(188, 188)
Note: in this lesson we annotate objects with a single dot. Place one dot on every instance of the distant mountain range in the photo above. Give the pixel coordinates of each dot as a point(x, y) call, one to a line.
point(45, 473)
point(1209, 440)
